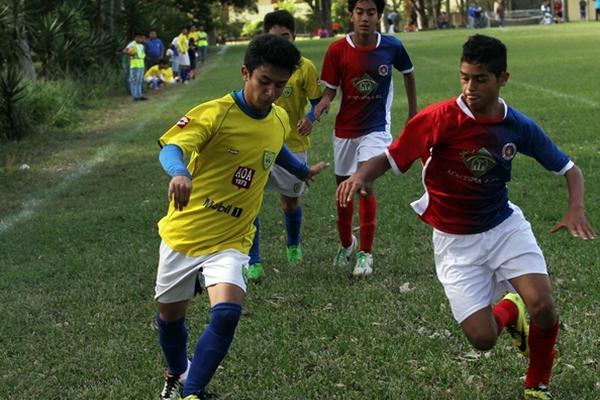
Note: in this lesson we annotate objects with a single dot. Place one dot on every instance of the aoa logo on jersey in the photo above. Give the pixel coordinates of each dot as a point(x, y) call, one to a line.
point(509, 151)
point(383, 70)
point(287, 92)
point(243, 177)
point(183, 122)
point(479, 162)
point(365, 84)
point(268, 159)
point(223, 208)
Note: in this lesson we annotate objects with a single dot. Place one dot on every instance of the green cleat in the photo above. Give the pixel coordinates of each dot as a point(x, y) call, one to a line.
point(540, 393)
point(520, 331)
point(294, 254)
point(254, 272)
point(364, 264)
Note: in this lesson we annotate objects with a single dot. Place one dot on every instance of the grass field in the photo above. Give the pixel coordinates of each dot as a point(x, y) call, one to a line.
point(78, 252)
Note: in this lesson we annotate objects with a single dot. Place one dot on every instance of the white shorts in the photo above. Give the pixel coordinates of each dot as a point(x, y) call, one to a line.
point(347, 153)
point(475, 269)
point(285, 183)
point(178, 274)
point(183, 59)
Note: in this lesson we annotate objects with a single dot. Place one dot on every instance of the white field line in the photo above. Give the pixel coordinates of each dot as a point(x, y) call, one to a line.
point(30, 207)
point(528, 86)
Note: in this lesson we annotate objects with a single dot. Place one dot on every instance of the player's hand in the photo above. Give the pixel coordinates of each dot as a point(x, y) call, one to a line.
point(180, 189)
point(315, 170)
point(577, 224)
point(304, 126)
point(348, 188)
point(322, 109)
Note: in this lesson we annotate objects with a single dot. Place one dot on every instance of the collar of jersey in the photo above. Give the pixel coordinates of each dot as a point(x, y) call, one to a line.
point(238, 97)
point(465, 109)
point(351, 43)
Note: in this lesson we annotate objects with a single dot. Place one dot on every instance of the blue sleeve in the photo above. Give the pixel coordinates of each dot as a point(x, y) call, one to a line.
point(402, 61)
point(171, 159)
point(288, 161)
point(538, 145)
point(311, 113)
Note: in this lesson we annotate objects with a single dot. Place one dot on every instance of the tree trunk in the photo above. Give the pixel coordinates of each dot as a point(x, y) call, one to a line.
point(326, 13)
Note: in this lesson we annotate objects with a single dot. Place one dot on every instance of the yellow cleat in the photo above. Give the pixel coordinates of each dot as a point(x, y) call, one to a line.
point(520, 331)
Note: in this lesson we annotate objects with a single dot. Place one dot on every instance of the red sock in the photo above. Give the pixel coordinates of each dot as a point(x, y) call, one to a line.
point(541, 355)
point(506, 313)
point(367, 217)
point(344, 223)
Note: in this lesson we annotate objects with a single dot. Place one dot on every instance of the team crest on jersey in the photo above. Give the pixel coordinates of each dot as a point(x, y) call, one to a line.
point(183, 122)
point(268, 159)
point(243, 177)
point(509, 151)
point(287, 92)
point(479, 162)
point(383, 70)
point(365, 84)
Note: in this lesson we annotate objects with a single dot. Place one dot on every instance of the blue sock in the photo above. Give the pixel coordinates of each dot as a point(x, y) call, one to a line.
point(212, 346)
point(255, 249)
point(172, 336)
point(293, 223)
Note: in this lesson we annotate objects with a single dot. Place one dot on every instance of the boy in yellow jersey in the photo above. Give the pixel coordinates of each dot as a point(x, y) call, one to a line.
point(159, 74)
point(303, 85)
point(233, 143)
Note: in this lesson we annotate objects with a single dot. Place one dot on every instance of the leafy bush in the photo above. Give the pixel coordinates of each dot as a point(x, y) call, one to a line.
point(54, 103)
point(252, 29)
point(13, 123)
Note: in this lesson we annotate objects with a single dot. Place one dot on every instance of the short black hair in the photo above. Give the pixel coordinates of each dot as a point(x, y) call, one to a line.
point(281, 18)
point(163, 61)
point(272, 50)
point(380, 4)
point(487, 51)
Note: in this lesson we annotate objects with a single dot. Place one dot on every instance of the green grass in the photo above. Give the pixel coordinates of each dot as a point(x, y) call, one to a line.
point(78, 252)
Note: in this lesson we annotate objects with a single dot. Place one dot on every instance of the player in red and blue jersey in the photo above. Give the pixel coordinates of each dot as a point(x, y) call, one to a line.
point(483, 245)
point(361, 65)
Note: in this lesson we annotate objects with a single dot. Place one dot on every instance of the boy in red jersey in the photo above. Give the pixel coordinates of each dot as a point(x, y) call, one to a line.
point(361, 65)
point(483, 245)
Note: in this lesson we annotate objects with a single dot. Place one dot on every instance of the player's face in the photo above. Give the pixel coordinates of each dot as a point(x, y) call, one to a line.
point(263, 86)
point(283, 32)
point(481, 89)
point(365, 18)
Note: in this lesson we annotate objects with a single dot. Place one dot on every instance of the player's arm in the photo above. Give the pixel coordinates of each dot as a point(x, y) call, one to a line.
point(323, 107)
point(575, 220)
point(362, 180)
point(180, 187)
point(410, 87)
point(295, 166)
point(304, 126)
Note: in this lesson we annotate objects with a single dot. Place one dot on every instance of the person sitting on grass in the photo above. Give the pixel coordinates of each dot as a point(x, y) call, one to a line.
point(159, 75)
point(483, 245)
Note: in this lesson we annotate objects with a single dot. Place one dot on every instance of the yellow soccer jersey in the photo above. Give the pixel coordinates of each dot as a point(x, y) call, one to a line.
point(303, 84)
point(232, 155)
point(156, 71)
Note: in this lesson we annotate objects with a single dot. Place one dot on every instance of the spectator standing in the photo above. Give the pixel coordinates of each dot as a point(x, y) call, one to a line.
point(500, 13)
point(184, 58)
point(391, 20)
point(471, 16)
point(202, 44)
point(155, 49)
point(135, 51)
point(335, 28)
point(558, 11)
point(443, 20)
point(583, 9)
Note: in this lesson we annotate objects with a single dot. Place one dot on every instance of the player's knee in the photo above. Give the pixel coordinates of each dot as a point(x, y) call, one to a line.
point(542, 311)
point(482, 340)
point(225, 317)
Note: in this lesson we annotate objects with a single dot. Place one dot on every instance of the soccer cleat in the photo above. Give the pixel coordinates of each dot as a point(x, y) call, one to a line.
point(294, 254)
point(342, 258)
point(520, 331)
point(254, 272)
point(173, 385)
point(540, 392)
point(196, 396)
point(364, 264)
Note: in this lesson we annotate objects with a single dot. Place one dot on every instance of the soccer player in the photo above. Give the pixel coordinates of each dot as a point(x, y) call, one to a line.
point(361, 64)
point(304, 84)
point(483, 244)
point(233, 142)
point(159, 74)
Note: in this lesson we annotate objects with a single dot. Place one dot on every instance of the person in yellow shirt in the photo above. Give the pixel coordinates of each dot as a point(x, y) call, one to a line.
point(159, 74)
point(135, 51)
point(303, 85)
point(202, 44)
point(232, 143)
point(184, 58)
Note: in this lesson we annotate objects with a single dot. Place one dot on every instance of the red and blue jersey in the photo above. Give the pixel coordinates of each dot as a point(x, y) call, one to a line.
point(467, 163)
point(365, 77)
